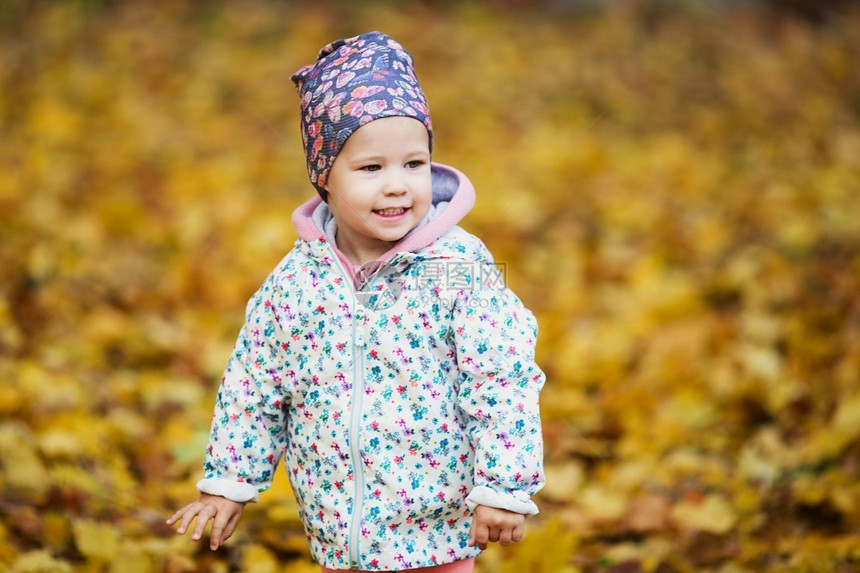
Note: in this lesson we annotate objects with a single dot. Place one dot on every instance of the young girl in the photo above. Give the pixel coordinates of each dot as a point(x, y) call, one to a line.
point(383, 358)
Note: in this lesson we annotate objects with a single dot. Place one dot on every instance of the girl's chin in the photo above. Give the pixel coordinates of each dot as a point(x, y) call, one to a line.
point(392, 235)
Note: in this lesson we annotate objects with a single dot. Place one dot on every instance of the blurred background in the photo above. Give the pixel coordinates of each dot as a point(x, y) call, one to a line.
point(674, 188)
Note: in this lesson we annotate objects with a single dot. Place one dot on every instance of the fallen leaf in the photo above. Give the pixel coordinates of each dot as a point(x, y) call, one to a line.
point(711, 514)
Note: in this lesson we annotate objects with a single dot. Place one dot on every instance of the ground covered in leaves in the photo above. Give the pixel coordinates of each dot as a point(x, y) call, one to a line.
point(675, 192)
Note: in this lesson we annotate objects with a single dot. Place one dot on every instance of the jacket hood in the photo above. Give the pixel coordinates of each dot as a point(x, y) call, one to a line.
point(453, 198)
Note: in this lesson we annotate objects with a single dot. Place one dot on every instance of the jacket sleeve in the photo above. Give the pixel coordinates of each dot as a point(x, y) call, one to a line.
point(248, 433)
point(499, 383)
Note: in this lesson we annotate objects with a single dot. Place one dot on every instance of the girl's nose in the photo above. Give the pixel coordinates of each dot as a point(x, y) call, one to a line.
point(395, 183)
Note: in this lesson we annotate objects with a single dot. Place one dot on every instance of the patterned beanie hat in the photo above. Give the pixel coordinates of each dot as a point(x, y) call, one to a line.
point(354, 81)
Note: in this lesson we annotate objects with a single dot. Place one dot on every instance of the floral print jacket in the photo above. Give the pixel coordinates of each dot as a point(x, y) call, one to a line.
point(400, 396)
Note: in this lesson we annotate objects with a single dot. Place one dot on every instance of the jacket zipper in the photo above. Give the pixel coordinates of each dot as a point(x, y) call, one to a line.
point(355, 424)
point(355, 421)
point(355, 450)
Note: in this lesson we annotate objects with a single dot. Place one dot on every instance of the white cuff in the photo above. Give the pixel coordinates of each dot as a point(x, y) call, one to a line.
point(482, 495)
point(233, 490)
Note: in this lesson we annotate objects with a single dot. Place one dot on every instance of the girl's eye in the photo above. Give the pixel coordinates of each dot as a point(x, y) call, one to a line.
point(370, 168)
point(415, 164)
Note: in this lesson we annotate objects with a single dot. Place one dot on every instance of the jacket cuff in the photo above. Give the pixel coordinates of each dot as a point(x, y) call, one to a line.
point(233, 490)
point(482, 495)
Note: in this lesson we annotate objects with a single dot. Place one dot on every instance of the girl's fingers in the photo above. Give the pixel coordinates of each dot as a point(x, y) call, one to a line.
point(224, 524)
point(221, 535)
point(187, 517)
point(517, 534)
point(505, 537)
point(219, 531)
point(173, 518)
point(225, 516)
point(187, 514)
point(231, 525)
point(203, 516)
point(472, 534)
point(480, 536)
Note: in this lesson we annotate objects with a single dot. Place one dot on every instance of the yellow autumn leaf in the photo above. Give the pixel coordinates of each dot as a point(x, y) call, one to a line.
point(650, 553)
point(712, 514)
point(11, 399)
point(96, 540)
point(56, 531)
point(39, 561)
point(256, 558)
point(601, 502)
point(131, 559)
point(846, 421)
point(23, 473)
point(563, 481)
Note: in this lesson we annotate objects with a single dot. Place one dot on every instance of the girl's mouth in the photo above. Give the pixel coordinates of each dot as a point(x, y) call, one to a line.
point(392, 212)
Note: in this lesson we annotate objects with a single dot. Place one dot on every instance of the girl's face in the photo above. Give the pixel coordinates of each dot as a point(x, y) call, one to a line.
point(379, 186)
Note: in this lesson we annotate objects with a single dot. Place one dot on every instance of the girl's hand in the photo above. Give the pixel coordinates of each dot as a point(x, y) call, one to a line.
point(225, 516)
point(493, 524)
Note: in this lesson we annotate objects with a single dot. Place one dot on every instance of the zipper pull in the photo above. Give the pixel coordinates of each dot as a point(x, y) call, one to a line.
point(359, 315)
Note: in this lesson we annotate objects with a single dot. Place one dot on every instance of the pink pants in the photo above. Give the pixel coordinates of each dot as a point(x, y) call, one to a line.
point(464, 566)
